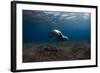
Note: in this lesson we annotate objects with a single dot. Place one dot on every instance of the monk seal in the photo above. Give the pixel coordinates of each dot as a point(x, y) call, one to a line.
point(58, 35)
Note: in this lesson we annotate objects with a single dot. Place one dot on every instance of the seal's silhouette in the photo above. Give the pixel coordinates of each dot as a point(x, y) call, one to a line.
point(58, 35)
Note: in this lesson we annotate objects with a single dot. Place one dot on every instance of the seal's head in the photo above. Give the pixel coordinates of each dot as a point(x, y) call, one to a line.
point(58, 35)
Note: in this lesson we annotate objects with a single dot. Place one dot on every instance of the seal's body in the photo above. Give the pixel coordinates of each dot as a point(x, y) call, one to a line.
point(58, 35)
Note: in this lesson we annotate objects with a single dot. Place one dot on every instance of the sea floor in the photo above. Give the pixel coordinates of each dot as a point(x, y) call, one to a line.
point(36, 52)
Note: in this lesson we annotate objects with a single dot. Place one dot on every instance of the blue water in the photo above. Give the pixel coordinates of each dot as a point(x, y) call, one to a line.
point(37, 25)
